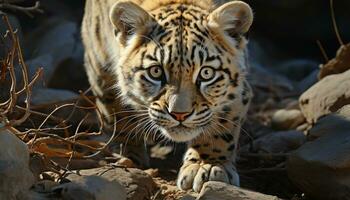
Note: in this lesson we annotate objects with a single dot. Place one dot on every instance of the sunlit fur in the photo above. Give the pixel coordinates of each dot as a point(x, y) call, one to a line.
point(125, 39)
point(181, 42)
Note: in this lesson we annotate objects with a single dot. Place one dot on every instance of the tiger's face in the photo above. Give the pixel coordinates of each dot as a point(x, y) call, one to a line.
point(183, 64)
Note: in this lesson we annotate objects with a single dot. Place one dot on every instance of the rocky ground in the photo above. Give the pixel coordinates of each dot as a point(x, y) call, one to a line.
point(295, 144)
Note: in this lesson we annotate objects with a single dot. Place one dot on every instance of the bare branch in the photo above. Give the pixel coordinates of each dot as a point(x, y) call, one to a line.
point(26, 10)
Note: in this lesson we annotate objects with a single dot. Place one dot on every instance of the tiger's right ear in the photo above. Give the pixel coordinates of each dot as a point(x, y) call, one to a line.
point(129, 19)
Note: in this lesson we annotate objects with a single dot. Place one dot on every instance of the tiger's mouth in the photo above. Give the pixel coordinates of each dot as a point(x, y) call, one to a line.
point(182, 133)
point(195, 124)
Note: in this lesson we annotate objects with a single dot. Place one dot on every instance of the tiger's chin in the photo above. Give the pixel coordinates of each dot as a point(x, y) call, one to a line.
point(181, 133)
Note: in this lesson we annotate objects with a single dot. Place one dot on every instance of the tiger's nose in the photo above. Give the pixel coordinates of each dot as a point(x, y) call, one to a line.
point(180, 116)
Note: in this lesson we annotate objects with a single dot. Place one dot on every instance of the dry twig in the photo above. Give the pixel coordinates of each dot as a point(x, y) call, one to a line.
point(44, 139)
point(26, 10)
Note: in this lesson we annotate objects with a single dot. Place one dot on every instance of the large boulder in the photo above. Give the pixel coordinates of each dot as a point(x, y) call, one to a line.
point(298, 68)
point(327, 96)
point(48, 95)
point(57, 47)
point(287, 119)
point(218, 190)
point(321, 168)
point(331, 124)
point(339, 64)
point(91, 188)
point(307, 82)
point(16, 25)
point(15, 176)
point(137, 183)
point(277, 142)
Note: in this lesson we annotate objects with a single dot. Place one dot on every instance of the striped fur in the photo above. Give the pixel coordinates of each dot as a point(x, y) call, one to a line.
point(174, 56)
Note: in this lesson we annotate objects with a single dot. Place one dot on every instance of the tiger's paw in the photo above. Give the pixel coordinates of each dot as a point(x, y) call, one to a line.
point(195, 172)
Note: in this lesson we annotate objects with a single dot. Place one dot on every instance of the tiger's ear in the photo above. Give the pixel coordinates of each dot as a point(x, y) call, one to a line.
point(129, 19)
point(234, 18)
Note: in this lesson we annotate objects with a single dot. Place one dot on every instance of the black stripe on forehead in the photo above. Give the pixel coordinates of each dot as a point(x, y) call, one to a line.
point(181, 8)
point(172, 21)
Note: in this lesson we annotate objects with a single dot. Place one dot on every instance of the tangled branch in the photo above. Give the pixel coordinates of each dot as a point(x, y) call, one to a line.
point(54, 136)
point(26, 10)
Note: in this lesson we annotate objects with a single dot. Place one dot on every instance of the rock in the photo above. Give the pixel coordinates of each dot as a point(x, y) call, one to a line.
point(45, 61)
point(287, 119)
point(278, 142)
point(304, 127)
point(57, 37)
point(189, 197)
point(345, 111)
point(259, 55)
point(297, 69)
point(327, 96)
point(68, 72)
point(16, 178)
point(331, 124)
point(308, 81)
point(339, 64)
point(91, 188)
point(264, 78)
point(218, 190)
point(31, 195)
point(138, 184)
point(47, 95)
point(321, 168)
point(44, 186)
point(15, 24)
point(54, 43)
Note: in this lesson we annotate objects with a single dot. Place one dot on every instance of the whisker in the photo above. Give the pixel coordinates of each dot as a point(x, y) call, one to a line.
point(131, 132)
point(237, 125)
point(128, 111)
point(130, 116)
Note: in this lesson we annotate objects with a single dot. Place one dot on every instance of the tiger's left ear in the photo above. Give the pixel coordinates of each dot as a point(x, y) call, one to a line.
point(129, 19)
point(234, 18)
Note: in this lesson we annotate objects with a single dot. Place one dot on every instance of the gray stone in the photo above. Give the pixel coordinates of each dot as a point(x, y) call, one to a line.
point(189, 197)
point(59, 40)
point(54, 45)
point(137, 183)
point(15, 176)
point(91, 188)
point(339, 64)
point(16, 26)
point(321, 168)
point(327, 96)
point(265, 78)
point(46, 62)
point(44, 186)
point(297, 69)
point(308, 81)
point(331, 124)
point(287, 119)
point(218, 190)
point(68, 72)
point(31, 195)
point(345, 111)
point(278, 142)
point(48, 95)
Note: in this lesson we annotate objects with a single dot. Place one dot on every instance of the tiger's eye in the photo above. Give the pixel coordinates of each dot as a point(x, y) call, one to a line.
point(207, 73)
point(156, 72)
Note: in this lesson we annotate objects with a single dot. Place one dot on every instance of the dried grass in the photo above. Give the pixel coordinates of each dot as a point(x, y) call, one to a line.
point(51, 136)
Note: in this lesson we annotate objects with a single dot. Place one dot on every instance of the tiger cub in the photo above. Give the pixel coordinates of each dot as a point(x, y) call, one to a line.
point(179, 65)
